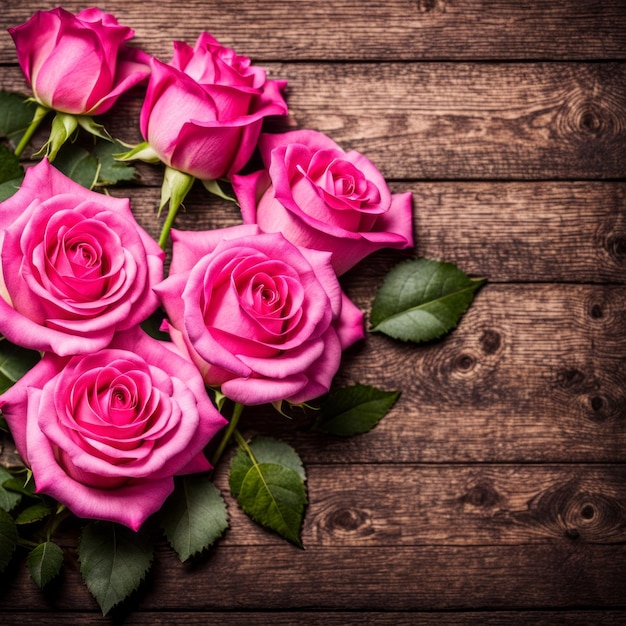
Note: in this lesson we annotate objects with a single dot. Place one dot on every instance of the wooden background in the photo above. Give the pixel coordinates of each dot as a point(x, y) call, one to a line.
point(495, 491)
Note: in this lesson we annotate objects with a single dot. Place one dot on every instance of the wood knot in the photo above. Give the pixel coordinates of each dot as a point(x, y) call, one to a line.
point(590, 122)
point(594, 394)
point(615, 245)
point(604, 407)
point(584, 116)
point(349, 520)
point(578, 514)
point(596, 312)
point(465, 362)
point(490, 341)
point(570, 378)
point(431, 6)
point(594, 516)
point(465, 369)
point(482, 495)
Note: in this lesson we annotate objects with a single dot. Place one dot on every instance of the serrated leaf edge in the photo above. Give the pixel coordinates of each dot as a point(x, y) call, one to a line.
point(133, 590)
point(298, 541)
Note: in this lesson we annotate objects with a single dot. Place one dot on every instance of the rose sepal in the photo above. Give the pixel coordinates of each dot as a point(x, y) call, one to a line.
point(141, 152)
point(88, 124)
point(64, 127)
point(213, 186)
point(176, 185)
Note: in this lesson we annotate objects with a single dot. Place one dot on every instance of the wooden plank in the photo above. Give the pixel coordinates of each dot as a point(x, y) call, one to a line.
point(374, 30)
point(397, 505)
point(393, 578)
point(573, 232)
point(326, 618)
point(447, 121)
point(470, 121)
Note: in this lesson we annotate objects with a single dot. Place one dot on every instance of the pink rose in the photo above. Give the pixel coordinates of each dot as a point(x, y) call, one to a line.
point(106, 433)
point(261, 318)
point(74, 265)
point(321, 197)
point(78, 64)
point(203, 112)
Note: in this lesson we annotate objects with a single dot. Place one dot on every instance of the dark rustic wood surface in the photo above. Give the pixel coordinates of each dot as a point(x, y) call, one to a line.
point(495, 491)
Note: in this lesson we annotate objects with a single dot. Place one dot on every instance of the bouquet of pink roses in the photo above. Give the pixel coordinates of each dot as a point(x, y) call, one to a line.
point(112, 418)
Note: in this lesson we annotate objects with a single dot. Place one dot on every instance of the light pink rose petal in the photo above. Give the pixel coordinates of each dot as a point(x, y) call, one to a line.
point(292, 362)
point(349, 326)
point(35, 39)
point(14, 401)
point(249, 189)
point(16, 327)
point(320, 376)
point(133, 67)
point(312, 139)
point(254, 391)
point(130, 505)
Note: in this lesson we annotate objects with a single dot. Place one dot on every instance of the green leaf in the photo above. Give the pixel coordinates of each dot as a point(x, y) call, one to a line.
point(8, 539)
point(271, 492)
point(19, 486)
point(112, 171)
point(354, 410)
point(34, 513)
point(113, 561)
point(16, 114)
point(44, 562)
point(15, 361)
point(10, 167)
point(265, 450)
point(78, 164)
point(421, 300)
point(9, 187)
point(194, 516)
point(8, 499)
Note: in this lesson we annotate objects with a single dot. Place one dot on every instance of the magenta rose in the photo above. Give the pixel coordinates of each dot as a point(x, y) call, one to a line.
point(74, 265)
point(106, 433)
point(78, 64)
point(321, 197)
point(261, 318)
point(203, 112)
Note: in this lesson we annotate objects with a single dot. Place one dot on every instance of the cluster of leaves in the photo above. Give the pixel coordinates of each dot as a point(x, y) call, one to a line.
point(91, 166)
point(419, 301)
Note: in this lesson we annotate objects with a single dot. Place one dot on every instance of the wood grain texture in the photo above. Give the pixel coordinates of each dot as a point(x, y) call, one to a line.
point(447, 505)
point(371, 29)
point(405, 578)
point(326, 618)
point(452, 120)
point(495, 490)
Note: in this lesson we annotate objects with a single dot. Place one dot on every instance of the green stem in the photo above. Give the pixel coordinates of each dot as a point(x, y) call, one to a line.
point(228, 433)
point(167, 226)
point(244, 445)
point(59, 516)
point(26, 543)
point(40, 113)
